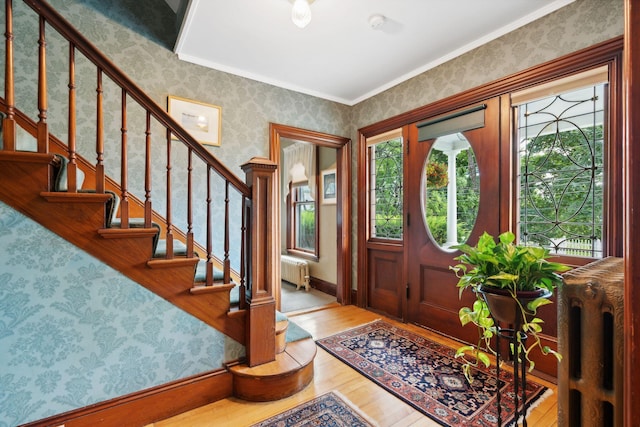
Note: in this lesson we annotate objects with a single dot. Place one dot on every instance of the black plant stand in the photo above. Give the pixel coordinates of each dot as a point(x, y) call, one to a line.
point(519, 371)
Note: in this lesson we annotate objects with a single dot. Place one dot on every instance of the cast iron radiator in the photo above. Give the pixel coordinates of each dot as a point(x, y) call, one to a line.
point(295, 270)
point(590, 339)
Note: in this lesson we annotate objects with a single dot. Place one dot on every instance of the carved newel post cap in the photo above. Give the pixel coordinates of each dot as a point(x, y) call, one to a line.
point(259, 163)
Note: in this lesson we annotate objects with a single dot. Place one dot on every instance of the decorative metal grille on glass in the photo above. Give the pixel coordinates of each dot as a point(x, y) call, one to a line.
point(385, 189)
point(561, 140)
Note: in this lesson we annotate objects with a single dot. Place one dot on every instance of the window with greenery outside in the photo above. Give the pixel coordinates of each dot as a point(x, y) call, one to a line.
point(304, 219)
point(468, 193)
point(562, 140)
point(386, 189)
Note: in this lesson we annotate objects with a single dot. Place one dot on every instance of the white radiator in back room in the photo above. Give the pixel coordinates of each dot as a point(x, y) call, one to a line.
point(591, 341)
point(295, 270)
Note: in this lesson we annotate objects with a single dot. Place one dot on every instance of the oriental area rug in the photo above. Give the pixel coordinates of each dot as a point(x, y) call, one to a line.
point(426, 375)
point(329, 409)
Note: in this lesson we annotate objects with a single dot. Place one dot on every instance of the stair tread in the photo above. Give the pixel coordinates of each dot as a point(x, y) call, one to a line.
point(297, 355)
point(281, 326)
point(216, 287)
point(169, 263)
point(80, 197)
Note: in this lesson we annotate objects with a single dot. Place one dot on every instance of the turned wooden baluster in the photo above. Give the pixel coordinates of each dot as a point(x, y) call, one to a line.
point(209, 231)
point(189, 205)
point(72, 166)
point(244, 243)
point(43, 127)
point(147, 174)
point(9, 123)
point(226, 263)
point(169, 234)
point(124, 199)
point(99, 134)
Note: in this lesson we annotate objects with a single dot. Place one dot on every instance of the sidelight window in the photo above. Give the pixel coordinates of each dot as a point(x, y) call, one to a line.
point(562, 143)
point(385, 186)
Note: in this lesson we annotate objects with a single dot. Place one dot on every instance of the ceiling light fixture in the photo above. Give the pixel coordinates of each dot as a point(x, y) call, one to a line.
point(376, 21)
point(301, 12)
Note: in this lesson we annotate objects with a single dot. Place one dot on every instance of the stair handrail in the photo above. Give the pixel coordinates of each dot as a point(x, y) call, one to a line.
point(256, 264)
point(55, 20)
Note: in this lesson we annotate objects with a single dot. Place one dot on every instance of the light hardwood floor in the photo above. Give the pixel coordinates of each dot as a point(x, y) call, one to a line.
point(331, 374)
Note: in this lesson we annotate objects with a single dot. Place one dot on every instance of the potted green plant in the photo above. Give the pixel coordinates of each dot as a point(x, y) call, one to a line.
point(510, 283)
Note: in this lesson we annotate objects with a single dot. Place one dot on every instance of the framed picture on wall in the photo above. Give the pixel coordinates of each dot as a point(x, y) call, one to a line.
point(202, 121)
point(329, 183)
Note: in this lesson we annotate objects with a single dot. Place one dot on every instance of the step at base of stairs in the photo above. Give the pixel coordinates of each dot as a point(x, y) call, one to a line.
point(281, 335)
point(289, 373)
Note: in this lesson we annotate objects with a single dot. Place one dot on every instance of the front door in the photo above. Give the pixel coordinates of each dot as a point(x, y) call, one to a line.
point(452, 190)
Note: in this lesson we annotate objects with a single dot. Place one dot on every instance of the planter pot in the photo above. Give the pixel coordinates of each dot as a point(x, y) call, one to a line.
point(504, 308)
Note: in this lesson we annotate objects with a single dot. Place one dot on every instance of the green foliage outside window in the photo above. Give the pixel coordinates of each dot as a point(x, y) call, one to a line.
point(386, 189)
point(562, 180)
point(304, 220)
point(307, 230)
point(468, 194)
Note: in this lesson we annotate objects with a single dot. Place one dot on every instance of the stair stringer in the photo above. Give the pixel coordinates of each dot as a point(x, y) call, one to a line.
point(25, 181)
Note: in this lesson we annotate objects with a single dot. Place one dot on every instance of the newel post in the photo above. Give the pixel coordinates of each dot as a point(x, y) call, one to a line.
point(260, 330)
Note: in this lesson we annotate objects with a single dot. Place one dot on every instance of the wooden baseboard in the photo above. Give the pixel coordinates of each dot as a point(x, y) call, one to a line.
point(323, 286)
point(149, 405)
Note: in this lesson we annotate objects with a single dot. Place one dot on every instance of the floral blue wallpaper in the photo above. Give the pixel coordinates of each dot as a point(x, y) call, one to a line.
point(73, 331)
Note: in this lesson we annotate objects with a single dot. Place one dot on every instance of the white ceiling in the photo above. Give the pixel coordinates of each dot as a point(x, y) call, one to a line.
point(339, 56)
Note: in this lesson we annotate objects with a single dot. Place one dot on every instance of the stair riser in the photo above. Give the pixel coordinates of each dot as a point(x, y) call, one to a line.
point(266, 389)
point(22, 182)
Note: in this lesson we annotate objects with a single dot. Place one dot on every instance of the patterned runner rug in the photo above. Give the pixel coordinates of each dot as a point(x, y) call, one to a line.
point(426, 375)
point(329, 409)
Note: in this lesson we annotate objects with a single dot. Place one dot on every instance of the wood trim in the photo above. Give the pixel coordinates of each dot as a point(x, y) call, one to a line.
point(148, 406)
point(323, 286)
point(584, 59)
point(343, 205)
point(363, 220)
point(606, 53)
point(260, 330)
point(343, 219)
point(631, 99)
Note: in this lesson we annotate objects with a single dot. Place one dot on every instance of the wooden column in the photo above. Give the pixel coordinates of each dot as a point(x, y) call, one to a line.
point(8, 122)
point(260, 338)
point(631, 156)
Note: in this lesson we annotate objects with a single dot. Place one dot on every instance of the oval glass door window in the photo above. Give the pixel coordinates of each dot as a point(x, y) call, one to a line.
point(451, 190)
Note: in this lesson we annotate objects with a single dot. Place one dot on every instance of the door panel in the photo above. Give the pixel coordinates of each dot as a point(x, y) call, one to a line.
point(385, 280)
point(433, 297)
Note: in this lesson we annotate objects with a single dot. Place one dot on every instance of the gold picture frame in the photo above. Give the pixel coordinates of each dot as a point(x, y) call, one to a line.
point(202, 121)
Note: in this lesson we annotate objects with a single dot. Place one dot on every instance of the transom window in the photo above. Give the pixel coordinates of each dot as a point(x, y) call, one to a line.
point(562, 141)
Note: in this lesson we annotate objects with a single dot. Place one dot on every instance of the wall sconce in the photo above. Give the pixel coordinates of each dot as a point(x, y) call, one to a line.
point(301, 12)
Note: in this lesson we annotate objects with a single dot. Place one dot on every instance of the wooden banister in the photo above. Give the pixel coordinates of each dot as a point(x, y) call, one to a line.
point(55, 20)
point(256, 221)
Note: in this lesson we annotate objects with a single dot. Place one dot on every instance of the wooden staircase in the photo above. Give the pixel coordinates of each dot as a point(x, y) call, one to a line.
point(99, 215)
